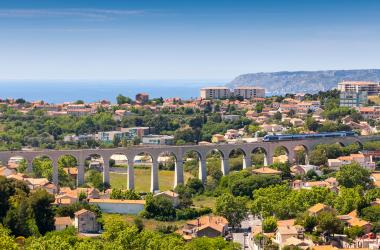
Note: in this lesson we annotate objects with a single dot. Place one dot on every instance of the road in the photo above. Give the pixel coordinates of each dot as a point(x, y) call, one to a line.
point(243, 236)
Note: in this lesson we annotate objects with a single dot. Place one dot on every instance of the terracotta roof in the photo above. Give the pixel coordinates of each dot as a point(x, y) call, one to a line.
point(215, 222)
point(117, 201)
point(282, 223)
point(82, 211)
point(62, 221)
point(288, 230)
point(317, 208)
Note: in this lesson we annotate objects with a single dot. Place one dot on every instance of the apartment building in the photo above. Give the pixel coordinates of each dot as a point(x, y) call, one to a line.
point(215, 93)
point(249, 92)
point(353, 99)
point(158, 140)
point(372, 88)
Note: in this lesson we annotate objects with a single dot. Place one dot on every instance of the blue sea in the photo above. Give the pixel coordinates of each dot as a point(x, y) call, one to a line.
point(57, 91)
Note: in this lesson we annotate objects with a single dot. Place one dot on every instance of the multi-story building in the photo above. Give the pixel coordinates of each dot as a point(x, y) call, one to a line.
point(158, 139)
point(249, 92)
point(215, 93)
point(353, 99)
point(137, 131)
point(109, 136)
point(372, 88)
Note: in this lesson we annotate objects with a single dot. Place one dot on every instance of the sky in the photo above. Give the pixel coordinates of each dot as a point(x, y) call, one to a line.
point(182, 39)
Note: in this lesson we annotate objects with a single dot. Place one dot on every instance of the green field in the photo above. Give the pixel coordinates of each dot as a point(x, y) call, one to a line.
point(142, 180)
point(149, 224)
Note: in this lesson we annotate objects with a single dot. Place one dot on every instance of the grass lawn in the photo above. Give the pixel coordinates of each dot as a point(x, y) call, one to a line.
point(204, 201)
point(142, 180)
point(149, 224)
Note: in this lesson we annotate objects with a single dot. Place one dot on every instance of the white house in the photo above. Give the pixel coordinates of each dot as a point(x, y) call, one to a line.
point(119, 206)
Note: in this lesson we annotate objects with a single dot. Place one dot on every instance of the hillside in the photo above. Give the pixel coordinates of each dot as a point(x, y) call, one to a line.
point(303, 81)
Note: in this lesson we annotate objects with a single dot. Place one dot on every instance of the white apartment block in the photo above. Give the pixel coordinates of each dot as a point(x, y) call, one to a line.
point(249, 92)
point(372, 88)
point(215, 93)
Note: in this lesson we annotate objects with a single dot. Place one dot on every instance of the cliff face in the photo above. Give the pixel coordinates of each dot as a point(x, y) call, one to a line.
point(284, 82)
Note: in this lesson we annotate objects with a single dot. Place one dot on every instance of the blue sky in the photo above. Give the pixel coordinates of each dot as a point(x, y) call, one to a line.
point(218, 40)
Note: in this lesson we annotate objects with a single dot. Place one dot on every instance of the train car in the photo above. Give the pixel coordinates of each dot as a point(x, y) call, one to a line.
point(269, 138)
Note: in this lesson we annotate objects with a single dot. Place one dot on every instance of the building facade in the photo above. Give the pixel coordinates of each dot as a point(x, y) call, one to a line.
point(353, 99)
point(372, 88)
point(249, 92)
point(215, 93)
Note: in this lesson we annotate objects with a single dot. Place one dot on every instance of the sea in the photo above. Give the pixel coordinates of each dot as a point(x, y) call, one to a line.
point(58, 91)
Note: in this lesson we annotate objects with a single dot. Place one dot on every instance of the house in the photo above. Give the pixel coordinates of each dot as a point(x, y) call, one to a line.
point(266, 171)
point(303, 243)
point(4, 171)
point(218, 138)
point(353, 220)
point(85, 221)
point(296, 122)
point(61, 223)
point(119, 206)
point(72, 172)
point(172, 196)
point(283, 233)
point(319, 208)
point(208, 226)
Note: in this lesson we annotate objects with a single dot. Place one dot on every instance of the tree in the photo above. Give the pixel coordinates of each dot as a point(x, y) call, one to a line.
point(329, 223)
point(307, 221)
point(371, 213)
point(352, 175)
point(40, 202)
point(353, 232)
point(6, 241)
point(259, 107)
point(139, 224)
point(195, 186)
point(234, 209)
point(269, 224)
point(120, 99)
point(348, 199)
point(318, 157)
point(159, 207)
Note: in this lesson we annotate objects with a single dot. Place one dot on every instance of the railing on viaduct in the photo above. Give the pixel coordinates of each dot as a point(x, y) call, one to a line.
point(178, 152)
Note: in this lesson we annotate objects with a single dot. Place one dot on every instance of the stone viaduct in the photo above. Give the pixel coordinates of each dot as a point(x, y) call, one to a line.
point(178, 152)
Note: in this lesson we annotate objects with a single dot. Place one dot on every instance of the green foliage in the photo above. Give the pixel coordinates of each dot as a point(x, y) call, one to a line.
point(371, 213)
point(371, 145)
point(120, 99)
point(353, 232)
point(348, 199)
point(234, 209)
point(191, 213)
point(29, 214)
point(353, 175)
point(329, 223)
point(159, 208)
point(243, 183)
point(8, 188)
point(269, 224)
point(307, 221)
point(6, 241)
point(285, 203)
point(69, 210)
point(195, 186)
point(124, 194)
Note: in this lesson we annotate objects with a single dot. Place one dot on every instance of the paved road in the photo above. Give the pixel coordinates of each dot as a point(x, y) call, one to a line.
point(243, 237)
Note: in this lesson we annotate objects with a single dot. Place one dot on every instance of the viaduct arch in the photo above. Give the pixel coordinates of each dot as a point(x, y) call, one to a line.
point(178, 152)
